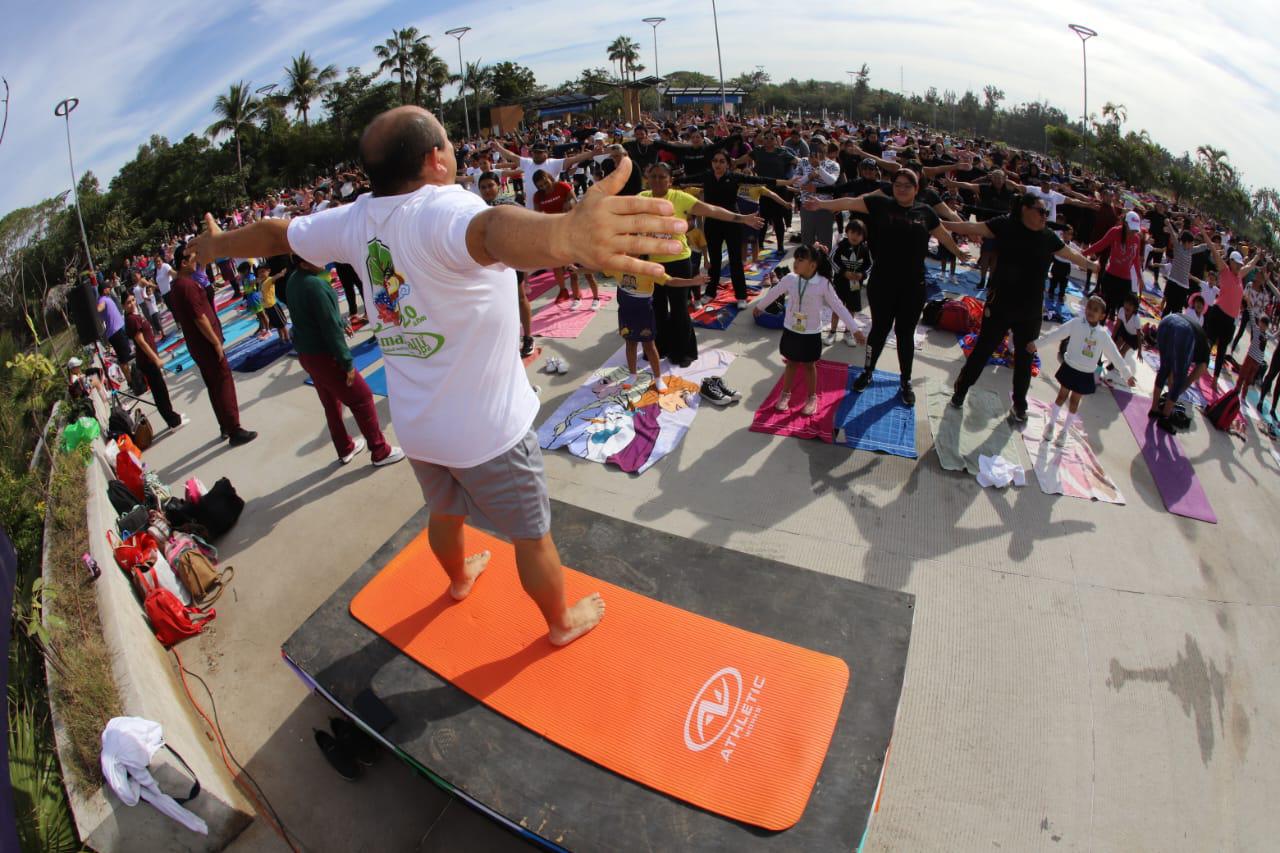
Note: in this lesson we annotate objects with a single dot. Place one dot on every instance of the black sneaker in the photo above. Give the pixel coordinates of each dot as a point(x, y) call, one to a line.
point(242, 436)
point(957, 398)
point(729, 392)
point(338, 757)
point(712, 394)
point(908, 396)
point(526, 347)
point(1018, 415)
point(863, 380)
point(354, 741)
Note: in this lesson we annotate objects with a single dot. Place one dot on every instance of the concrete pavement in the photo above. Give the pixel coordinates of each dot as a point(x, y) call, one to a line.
point(1082, 676)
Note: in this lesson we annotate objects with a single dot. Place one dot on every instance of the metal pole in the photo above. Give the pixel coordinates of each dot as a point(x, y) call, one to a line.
point(850, 73)
point(724, 104)
point(458, 33)
point(63, 111)
point(1085, 34)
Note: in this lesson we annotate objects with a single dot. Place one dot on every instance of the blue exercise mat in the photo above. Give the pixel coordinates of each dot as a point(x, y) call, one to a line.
point(256, 353)
point(876, 419)
point(937, 283)
point(377, 381)
point(233, 332)
point(363, 354)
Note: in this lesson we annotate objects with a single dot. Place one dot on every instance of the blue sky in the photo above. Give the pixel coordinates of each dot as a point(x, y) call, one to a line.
point(147, 66)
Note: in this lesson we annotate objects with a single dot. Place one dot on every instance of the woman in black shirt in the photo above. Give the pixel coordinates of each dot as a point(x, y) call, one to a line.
point(720, 187)
point(899, 233)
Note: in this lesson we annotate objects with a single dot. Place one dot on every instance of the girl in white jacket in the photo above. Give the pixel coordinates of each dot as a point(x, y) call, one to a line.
point(1088, 340)
point(807, 289)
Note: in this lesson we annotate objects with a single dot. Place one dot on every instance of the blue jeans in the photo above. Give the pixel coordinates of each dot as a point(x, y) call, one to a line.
point(1176, 339)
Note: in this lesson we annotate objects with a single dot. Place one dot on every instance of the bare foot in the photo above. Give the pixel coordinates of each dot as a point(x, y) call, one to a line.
point(580, 618)
point(471, 569)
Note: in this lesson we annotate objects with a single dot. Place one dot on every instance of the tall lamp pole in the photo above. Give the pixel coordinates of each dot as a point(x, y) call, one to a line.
point(63, 111)
point(458, 33)
point(653, 22)
point(724, 103)
point(851, 75)
point(1085, 34)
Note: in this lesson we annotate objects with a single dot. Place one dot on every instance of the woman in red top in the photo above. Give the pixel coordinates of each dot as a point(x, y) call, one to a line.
point(557, 197)
point(1125, 244)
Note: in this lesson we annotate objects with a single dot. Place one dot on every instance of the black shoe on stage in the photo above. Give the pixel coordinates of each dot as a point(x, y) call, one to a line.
point(863, 380)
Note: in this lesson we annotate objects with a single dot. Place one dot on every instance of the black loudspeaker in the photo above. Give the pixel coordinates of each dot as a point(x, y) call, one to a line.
point(82, 306)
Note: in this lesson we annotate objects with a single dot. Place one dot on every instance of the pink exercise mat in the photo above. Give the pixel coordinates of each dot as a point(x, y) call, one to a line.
point(1170, 468)
point(832, 380)
point(560, 320)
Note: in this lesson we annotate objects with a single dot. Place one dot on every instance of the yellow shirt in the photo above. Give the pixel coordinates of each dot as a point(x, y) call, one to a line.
point(637, 285)
point(683, 203)
point(268, 288)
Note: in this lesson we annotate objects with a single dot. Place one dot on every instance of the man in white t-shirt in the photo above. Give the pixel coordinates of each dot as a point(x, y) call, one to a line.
point(164, 280)
point(437, 264)
point(540, 162)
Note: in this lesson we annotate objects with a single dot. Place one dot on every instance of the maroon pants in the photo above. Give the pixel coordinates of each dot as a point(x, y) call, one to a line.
point(331, 385)
point(222, 389)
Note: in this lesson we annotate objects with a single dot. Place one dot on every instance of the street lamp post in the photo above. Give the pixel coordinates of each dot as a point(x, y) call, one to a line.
point(724, 103)
point(63, 111)
point(1085, 34)
point(851, 75)
point(653, 22)
point(458, 33)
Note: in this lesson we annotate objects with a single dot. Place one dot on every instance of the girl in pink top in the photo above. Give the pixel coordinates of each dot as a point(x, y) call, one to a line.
point(1124, 241)
point(1220, 320)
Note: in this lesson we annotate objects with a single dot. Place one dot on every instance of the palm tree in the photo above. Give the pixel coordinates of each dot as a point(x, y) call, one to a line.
point(306, 83)
point(235, 110)
point(427, 67)
point(478, 76)
point(397, 54)
point(436, 75)
point(626, 52)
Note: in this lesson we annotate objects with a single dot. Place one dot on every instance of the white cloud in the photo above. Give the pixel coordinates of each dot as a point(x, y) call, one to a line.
point(1189, 71)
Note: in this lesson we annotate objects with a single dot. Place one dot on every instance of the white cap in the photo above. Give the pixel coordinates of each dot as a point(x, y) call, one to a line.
point(1237, 257)
point(600, 135)
point(73, 363)
point(1132, 220)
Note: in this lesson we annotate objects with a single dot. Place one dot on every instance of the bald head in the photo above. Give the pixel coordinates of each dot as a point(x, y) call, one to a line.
point(394, 149)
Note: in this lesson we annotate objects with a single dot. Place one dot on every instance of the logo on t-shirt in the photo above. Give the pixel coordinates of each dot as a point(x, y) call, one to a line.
point(386, 282)
point(388, 286)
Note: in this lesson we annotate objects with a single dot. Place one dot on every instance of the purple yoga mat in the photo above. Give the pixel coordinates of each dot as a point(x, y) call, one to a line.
point(1175, 478)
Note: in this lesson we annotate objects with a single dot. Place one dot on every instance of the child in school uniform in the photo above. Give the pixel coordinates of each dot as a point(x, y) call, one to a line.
point(1259, 334)
point(1087, 341)
point(253, 298)
point(807, 289)
point(851, 265)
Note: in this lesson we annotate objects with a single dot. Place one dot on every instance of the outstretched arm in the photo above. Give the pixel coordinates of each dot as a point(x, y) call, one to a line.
point(857, 205)
point(1069, 254)
point(969, 229)
point(714, 212)
point(944, 240)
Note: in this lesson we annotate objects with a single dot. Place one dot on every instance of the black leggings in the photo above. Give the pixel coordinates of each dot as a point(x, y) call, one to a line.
point(1219, 327)
point(776, 215)
point(1273, 370)
point(720, 234)
point(673, 333)
point(1241, 326)
point(895, 304)
point(159, 390)
point(997, 323)
point(1175, 298)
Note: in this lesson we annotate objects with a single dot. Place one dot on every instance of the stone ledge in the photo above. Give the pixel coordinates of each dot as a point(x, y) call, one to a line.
point(149, 687)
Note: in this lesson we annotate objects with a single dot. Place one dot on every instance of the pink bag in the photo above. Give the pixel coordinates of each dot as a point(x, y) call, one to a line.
point(195, 490)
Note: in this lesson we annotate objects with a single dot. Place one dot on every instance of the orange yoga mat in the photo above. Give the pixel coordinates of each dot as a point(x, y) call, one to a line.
point(721, 718)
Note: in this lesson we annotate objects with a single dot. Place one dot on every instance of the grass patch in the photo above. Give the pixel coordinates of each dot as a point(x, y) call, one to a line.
point(84, 691)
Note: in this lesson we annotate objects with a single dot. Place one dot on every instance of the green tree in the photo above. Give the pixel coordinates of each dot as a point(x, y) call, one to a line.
point(235, 110)
point(478, 76)
point(625, 51)
point(512, 82)
point(398, 56)
point(306, 82)
point(1063, 141)
point(861, 89)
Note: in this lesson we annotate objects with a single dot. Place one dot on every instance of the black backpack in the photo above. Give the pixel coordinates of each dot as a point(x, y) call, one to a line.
point(220, 508)
point(122, 500)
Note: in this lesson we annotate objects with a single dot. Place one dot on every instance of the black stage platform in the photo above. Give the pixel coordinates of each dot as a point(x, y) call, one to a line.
point(523, 780)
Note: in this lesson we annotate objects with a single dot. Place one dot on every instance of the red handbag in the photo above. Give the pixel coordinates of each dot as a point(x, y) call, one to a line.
point(140, 549)
point(129, 469)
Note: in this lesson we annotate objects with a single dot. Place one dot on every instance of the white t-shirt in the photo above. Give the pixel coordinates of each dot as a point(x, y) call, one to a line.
point(474, 184)
point(1052, 198)
point(447, 326)
point(280, 211)
point(146, 301)
point(164, 278)
point(553, 168)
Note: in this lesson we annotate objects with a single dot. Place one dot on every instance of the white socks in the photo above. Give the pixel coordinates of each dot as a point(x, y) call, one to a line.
point(1053, 413)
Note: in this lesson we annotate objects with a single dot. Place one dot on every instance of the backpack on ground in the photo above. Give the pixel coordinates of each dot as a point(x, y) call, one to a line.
point(932, 311)
point(219, 508)
point(1222, 412)
point(121, 497)
point(953, 316)
point(976, 308)
point(171, 620)
point(194, 562)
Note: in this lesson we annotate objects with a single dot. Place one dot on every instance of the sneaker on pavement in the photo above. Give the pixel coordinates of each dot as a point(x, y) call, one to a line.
point(848, 339)
point(726, 389)
point(575, 305)
point(183, 421)
point(595, 304)
point(1017, 415)
point(957, 398)
point(828, 337)
point(242, 436)
point(1061, 439)
point(526, 347)
point(561, 367)
point(391, 458)
point(1048, 430)
point(712, 394)
point(549, 365)
point(357, 447)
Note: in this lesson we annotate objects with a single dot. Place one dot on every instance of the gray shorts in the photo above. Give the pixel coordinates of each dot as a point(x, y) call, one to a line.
point(510, 490)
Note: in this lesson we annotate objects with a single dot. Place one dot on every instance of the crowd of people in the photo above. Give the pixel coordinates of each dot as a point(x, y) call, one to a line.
point(433, 240)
